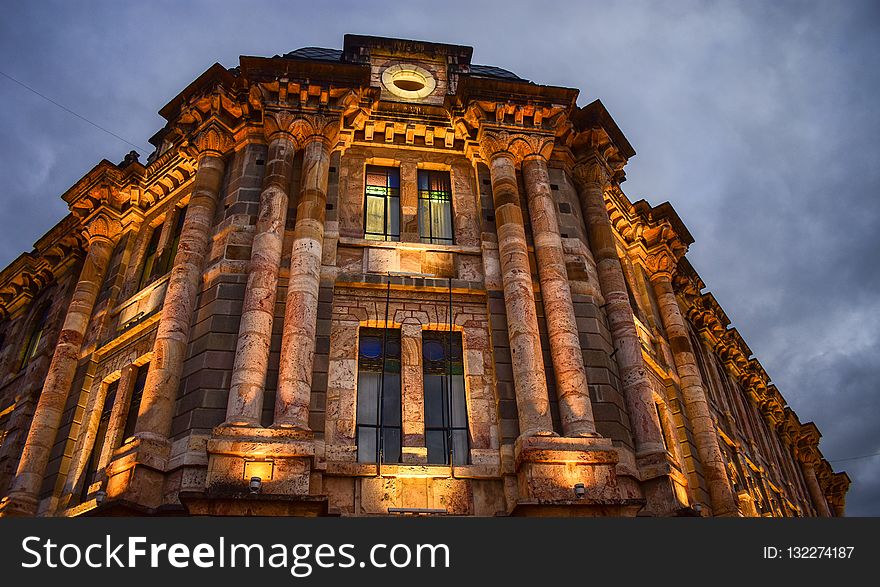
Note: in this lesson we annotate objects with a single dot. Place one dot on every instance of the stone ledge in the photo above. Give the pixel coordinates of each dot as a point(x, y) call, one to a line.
point(348, 469)
point(627, 508)
point(253, 504)
point(556, 449)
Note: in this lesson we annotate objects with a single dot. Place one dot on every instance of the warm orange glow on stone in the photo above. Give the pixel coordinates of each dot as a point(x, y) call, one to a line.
point(261, 469)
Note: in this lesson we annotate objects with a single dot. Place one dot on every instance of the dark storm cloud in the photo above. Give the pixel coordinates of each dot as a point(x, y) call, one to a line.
point(758, 121)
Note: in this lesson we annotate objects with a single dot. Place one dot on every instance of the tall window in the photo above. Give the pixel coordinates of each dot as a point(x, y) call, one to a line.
point(382, 205)
point(134, 405)
point(35, 336)
point(652, 300)
point(378, 396)
point(100, 440)
point(435, 207)
point(150, 258)
point(446, 428)
point(173, 243)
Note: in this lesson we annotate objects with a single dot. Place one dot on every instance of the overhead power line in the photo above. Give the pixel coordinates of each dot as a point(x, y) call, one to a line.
point(69, 111)
point(854, 458)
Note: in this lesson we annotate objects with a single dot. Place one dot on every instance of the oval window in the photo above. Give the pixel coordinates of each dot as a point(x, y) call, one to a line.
point(408, 81)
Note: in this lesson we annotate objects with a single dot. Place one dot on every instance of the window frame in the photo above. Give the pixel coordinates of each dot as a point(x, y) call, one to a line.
point(150, 261)
point(35, 336)
point(166, 260)
point(392, 193)
point(379, 408)
point(450, 369)
point(134, 402)
point(93, 463)
point(429, 195)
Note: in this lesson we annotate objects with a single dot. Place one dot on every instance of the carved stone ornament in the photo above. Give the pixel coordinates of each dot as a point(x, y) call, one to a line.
point(213, 138)
point(518, 145)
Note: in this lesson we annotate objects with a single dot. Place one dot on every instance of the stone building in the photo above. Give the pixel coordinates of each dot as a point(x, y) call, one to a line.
point(383, 280)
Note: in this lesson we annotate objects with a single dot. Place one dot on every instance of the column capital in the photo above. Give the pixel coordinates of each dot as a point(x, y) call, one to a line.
point(516, 145)
point(308, 128)
point(104, 225)
point(592, 169)
point(211, 140)
point(277, 123)
point(661, 264)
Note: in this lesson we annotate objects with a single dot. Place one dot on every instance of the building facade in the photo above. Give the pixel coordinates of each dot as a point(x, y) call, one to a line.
point(383, 281)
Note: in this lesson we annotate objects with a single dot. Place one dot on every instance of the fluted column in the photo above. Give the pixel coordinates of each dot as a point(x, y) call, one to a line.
point(572, 390)
point(532, 400)
point(23, 496)
point(692, 391)
point(301, 312)
point(248, 381)
point(592, 178)
point(172, 335)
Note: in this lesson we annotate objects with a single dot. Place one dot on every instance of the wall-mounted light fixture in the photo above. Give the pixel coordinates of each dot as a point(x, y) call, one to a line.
point(255, 485)
point(698, 507)
point(261, 469)
point(579, 490)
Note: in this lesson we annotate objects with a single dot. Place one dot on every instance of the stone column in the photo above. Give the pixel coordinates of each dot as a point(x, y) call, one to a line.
point(575, 409)
point(23, 496)
point(169, 350)
point(301, 313)
point(412, 394)
point(817, 496)
point(532, 400)
point(248, 382)
point(592, 178)
point(692, 391)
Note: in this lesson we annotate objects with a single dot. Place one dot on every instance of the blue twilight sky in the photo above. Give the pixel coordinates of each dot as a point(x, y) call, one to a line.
point(757, 120)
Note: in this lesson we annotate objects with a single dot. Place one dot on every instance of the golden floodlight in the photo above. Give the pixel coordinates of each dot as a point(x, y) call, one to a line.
point(261, 469)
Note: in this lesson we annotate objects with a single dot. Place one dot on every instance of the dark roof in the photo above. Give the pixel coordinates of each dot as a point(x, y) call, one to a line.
point(335, 55)
point(314, 54)
point(492, 71)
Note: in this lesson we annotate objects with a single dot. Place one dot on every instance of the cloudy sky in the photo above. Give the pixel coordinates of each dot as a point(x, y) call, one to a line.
point(757, 120)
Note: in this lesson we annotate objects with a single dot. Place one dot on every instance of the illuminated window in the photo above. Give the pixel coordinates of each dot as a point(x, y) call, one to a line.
point(34, 338)
point(378, 396)
point(150, 259)
point(435, 207)
point(134, 404)
point(446, 431)
point(100, 440)
point(171, 248)
point(382, 204)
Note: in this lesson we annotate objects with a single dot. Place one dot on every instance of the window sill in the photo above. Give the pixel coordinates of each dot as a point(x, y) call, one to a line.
point(349, 469)
point(141, 294)
point(413, 246)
